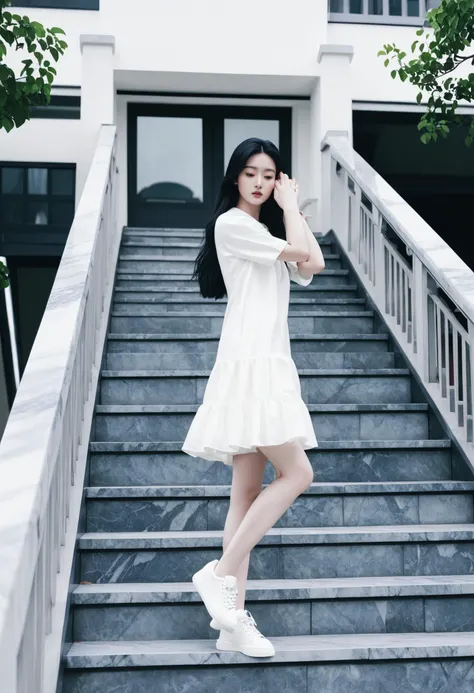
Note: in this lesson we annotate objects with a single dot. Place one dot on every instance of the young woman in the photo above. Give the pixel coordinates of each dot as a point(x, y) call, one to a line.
point(252, 409)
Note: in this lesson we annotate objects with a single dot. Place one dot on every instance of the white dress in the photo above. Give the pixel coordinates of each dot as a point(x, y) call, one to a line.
point(253, 394)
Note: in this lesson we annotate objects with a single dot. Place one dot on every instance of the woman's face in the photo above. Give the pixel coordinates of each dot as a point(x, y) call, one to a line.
point(258, 176)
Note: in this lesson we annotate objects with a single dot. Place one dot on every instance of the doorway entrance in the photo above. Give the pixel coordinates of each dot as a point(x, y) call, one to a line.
point(177, 156)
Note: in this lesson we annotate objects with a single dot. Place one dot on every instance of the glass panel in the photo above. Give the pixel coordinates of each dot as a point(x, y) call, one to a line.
point(62, 212)
point(169, 159)
point(355, 7)
point(236, 131)
point(37, 212)
point(395, 8)
point(376, 7)
point(12, 180)
point(37, 181)
point(336, 5)
point(11, 210)
point(62, 181)
point(413, 8)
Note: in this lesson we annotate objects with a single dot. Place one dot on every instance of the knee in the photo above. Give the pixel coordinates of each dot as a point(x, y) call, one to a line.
point(305, 476)
point(245, 496)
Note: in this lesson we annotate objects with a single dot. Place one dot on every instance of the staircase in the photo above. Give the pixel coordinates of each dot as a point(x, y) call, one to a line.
point(365, 584)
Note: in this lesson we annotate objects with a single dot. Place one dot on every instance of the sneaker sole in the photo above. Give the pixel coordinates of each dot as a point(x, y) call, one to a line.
point(250, 652)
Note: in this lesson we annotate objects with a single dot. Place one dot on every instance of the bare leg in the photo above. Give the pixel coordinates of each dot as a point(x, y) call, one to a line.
point(295, 475)
point(247, 477)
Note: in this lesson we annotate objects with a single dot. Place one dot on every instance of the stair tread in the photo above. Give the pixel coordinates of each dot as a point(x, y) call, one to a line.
point(209, 314)
point(300, 648)
point(173, 336)
point(195, 290)
point(316, 489)
point(281, 536)
point(319, 588)
point(325, 408)
point(178, 373)
point(187, 258)
point(161, 446)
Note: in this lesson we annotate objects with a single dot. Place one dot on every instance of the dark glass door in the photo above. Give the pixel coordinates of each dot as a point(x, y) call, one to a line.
point(177, 157)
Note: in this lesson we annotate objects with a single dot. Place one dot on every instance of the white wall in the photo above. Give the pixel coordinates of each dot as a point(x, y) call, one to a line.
point(208, 36)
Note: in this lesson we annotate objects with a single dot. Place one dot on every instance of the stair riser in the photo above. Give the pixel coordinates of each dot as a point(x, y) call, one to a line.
point(329, 426)
point(300, 348)
point(407, 676)
point(148, 469)
point(297, 291)
point(283, 618)
point(282, 562)
point(185, 265)
point(314, 390)
point(165, 361)
point(182, 514)
point(220, 307)
point(175, 283)
point(213, 325)
point(165, 245)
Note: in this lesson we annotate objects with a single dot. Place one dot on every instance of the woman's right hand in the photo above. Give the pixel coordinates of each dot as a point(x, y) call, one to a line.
point(284, 192)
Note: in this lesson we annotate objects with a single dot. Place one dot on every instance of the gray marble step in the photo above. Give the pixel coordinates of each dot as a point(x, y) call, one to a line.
point(164, 261)
point(120, 464)
point(318, 386)
point(176, 280)
point(191, 292)
point(385, 663)
point(154, 243)
point(141, 611)
point(129, 303)
point(303, 553)
point(196, 508)
point(315, 321)
point(132, 235)
point(205, 343)
point(150, 423)
point(129, 464)
point(158, 359)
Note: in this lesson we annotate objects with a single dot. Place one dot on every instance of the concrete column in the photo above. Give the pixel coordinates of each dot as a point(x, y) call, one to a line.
point(331, 111)
point(97, 97)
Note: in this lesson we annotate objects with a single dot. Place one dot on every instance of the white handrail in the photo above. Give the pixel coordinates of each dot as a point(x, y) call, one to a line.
point(43, 450)
point(424, 291)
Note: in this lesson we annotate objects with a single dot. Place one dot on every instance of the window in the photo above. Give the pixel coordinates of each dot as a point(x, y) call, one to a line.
point(59, 4)
point(410, 12)
point(37, 203)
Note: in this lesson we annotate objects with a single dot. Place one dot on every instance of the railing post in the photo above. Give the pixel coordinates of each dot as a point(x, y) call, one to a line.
point(423, 330)
point(379, 256)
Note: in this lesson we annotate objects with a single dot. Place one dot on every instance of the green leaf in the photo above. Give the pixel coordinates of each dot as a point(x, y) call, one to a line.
point(57, 30)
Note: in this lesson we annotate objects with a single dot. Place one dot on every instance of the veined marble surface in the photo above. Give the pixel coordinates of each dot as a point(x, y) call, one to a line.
point(305, 648)
point(30, 444)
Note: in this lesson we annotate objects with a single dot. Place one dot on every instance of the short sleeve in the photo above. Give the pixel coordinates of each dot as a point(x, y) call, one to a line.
point(246, 238)
point(296, 276)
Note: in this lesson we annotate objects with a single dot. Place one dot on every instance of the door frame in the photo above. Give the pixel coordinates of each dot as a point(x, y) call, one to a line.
point(197, 215)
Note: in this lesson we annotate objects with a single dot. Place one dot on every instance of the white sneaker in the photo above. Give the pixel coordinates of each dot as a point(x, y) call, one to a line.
point(218, 594)
point(246, 638)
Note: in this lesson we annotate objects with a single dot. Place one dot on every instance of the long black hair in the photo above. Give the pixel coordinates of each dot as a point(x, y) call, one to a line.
point(206, 267)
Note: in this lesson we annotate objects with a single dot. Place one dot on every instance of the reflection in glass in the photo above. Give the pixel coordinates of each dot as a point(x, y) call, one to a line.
point(169, 159)
point(38, 181)
point(11, 210)
point(37, 212)
point(237, 130)
point(12, 180)
point(376, 7)
point(336, 6)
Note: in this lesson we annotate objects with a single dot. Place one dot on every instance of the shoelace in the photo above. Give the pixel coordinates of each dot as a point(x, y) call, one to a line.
point(250, 626)
point(229, 595)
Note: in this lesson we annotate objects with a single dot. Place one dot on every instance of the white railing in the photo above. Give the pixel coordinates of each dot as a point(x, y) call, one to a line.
point(424, 291)
point(44, 447)
point(400, 12)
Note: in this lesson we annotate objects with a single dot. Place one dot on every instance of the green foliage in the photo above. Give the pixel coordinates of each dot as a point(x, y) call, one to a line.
point(438, 52)
point(33, 86)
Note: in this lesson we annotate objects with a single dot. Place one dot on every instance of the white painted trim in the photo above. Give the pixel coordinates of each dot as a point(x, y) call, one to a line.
point(97, 40)
point(401, 107)
point(335, 49)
